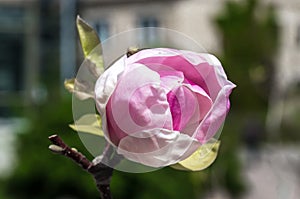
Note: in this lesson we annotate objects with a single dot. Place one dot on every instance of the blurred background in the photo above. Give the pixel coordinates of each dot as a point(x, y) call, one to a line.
point(258, 43)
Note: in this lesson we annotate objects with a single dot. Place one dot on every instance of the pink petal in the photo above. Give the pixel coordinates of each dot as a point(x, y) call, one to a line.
point(216, 116)
point(188, 106)
point(180, 64)
point(137, 103)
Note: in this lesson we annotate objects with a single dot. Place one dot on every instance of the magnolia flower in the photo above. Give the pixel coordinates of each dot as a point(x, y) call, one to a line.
point(160, 105)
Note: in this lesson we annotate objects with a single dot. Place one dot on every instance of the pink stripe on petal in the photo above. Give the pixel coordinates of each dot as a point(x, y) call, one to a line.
point(187, 103)
point(114, 133)
point(175, 109)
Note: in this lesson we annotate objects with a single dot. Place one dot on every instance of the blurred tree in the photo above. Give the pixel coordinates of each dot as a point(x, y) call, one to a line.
point(250, 39)
point(249, 33)
point(160, 184)
point(41, 174)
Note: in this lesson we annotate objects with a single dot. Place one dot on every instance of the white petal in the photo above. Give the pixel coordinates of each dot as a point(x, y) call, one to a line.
point(166, 148)
point(107, 82)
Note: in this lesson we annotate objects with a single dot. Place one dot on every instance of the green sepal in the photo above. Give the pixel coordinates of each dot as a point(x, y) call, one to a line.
point(201, 159)
point(88, 36)
point(89, 123)
point(90, 44)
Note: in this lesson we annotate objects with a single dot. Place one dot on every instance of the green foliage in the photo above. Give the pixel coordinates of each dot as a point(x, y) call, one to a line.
point(160, 184)
point(201, 159)
point(40, 173)
point(90, 44)
point(227, 166)
point(89, 123)
point(88, 36)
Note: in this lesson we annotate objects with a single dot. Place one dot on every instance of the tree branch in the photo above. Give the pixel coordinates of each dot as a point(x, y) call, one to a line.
point(61, 148)
point(101, 172)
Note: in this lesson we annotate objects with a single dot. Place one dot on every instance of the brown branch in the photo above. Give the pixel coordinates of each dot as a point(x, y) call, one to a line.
point(101, 172)
point(61, 148)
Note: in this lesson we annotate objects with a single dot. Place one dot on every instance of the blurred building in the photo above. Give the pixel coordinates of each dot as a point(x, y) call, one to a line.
point(19, 57)
point(191, 17)
point(19, 64)
point(21, 35)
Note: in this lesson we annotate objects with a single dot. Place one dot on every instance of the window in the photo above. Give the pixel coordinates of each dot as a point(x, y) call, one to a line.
point(12, 52)
point(149, 22)
point(11, 59)
point(102, 27)
point(11, 49)
point(149, 35)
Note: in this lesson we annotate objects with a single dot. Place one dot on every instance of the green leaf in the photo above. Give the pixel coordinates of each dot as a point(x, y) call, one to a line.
point(90, 44)
point(89, 123)
point(200, 159)
point(88, 36)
